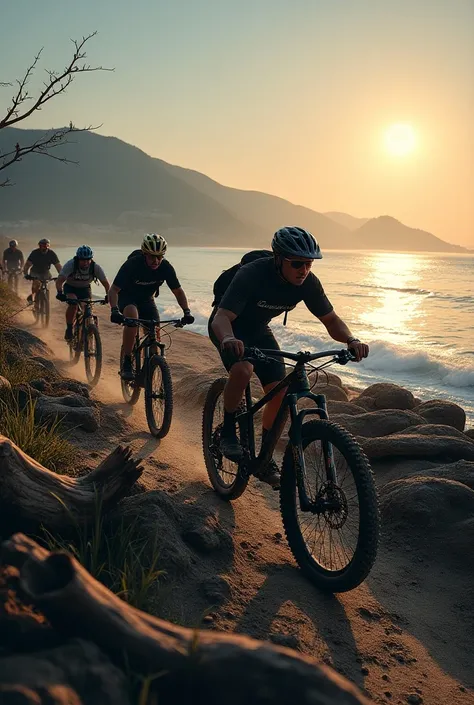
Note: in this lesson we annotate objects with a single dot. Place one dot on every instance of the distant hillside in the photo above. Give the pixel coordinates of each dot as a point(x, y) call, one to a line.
point(348, 221)
point(117, 191)
point(269, 212)
point(386, 233)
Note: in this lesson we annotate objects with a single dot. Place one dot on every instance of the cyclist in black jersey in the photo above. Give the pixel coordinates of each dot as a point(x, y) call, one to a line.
point(136, 283)
point(259, 292)
point(12, 258)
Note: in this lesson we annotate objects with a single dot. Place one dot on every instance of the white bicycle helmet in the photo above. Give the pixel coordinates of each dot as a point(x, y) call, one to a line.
point(154, 244)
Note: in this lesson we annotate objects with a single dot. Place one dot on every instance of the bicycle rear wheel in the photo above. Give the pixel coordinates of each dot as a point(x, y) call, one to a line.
point(224, 475)
point(158, 396)
point(335, 543)
point(92, 354)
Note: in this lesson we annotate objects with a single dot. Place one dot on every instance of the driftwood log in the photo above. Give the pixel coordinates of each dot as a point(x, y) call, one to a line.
point(31, 495)
point(193, 666)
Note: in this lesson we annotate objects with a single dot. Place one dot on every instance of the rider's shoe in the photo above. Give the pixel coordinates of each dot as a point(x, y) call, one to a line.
point(270, 475)
point(126, 372)
point(68, 334)
point(30, 299)
point(229, 445)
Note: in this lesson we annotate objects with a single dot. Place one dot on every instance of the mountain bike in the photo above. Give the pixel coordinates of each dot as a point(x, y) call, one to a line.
point(12, 276)
point(328, 499)
point(86, 338)
point(152, 373)
point(41, 306)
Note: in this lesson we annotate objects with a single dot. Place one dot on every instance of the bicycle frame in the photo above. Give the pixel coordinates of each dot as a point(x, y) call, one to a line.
point(149, 341)
point(297, 387)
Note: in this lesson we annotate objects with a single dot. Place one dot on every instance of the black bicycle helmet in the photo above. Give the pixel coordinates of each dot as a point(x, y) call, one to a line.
point(292, 241)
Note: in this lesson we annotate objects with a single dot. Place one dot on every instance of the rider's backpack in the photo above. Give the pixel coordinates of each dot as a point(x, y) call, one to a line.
point(223, 281)
point(91, 269)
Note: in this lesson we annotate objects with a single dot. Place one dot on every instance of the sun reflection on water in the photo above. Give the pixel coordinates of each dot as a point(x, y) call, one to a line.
point(395, 280)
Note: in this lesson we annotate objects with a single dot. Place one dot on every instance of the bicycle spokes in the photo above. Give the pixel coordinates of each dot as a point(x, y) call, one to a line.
point(329, 523)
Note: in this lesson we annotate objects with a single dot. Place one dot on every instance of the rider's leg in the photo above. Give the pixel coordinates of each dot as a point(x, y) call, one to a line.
point(70, 316)
point(271, 408)
point(239, 376)
point(35, 287)
point(129, 332)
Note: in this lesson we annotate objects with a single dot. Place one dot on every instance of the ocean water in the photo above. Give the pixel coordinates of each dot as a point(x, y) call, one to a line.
point(416, 311)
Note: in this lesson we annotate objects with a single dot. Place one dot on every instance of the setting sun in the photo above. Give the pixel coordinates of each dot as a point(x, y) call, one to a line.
point(400, 139)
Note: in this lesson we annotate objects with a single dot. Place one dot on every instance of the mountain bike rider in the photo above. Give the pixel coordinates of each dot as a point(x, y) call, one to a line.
point(136, 283)
point(258, 292)
point(74, 282)
point(39, 265)
point(13, 259)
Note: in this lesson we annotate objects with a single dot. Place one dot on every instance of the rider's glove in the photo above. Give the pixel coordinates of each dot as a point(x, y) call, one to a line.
point(115, 315)
point(60, 296)
point(106, 299)
point(187, 319)
point(27, 276)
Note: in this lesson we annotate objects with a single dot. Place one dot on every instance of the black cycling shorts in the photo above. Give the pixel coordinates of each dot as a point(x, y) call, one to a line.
point(146, 307)
point(267, 372)
point(81, 292)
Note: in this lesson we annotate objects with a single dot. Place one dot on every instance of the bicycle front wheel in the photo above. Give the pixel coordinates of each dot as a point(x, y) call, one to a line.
point(334, 541)
point(92, 354)
point(158, 396)
point(44, 309)
point(224, 475)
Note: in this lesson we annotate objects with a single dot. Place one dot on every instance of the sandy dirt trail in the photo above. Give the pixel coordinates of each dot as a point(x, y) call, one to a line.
point(405, 635)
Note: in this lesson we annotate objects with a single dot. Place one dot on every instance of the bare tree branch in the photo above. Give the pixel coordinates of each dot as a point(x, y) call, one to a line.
point(23, 105)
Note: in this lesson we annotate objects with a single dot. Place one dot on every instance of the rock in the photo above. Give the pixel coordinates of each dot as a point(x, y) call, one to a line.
point(216, 589)
point(290, 641)
point(389, 396)
point(431, 429)
point(344, 407)
point(414, 699)
point(439, 411)
point(417, 445)
point(47, 364)
point(206, 535)
point(74, 673)
point(156, 517)
point(434, 514)
point(378, 423)
point(461, 471)
point(331, 391)
point(24, 393)
point(4, 383)
point(71, 410)
point(40, 385)
point(366, 403)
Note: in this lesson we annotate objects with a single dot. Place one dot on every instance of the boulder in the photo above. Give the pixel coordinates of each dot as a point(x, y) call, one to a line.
point(439, 411)
point(332, 392)
point(418, 445)
point(461, 471)
point(366, 403)
point(70, 410)
point(344, 407)
point(378, 423)
point(389, 396)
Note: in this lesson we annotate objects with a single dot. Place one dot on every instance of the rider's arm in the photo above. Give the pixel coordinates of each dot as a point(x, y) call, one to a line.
point(27, 266)
point(335, 326)
point(113, 295)
point(59, 283)
point(106, 284)
point(100, 274)
point(181, 298)
point(58, 266)
point(222, 324)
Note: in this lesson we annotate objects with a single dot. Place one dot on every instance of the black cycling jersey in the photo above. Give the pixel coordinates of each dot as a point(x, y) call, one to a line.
point(42, 261)
point(13, 258)
point(258, 293)
point(140, 282)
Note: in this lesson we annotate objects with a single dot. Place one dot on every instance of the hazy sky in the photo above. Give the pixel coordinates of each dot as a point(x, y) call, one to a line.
point(290, 97)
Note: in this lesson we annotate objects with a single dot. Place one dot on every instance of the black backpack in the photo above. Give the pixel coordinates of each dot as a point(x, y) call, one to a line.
point(223, 281)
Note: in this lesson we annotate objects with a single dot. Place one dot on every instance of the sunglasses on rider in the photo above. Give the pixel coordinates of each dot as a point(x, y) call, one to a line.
point(298, 263)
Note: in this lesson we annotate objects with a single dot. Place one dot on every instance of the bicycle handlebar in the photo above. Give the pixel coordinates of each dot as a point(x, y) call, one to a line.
point(40, 279)
point(149, 323)
point(75, 302)
point(341, 356)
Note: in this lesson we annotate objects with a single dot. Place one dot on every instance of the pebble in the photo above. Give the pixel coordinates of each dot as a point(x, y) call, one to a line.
point(414, 699)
